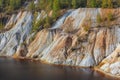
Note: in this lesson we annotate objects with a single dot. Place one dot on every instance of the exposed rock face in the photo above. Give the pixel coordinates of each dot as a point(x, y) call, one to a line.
point(10, 40)
point(111, 64)
point(84, 48)
point(75, 39)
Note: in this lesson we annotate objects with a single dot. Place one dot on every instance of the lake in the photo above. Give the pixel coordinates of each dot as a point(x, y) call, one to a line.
point(16, 69)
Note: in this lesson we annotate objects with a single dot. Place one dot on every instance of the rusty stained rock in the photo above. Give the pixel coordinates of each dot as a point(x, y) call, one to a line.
point(75, 47)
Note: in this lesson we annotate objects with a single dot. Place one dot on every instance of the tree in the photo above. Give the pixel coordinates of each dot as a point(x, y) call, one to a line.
point(110, 4)
point(118, 3)
point(17, 3)
point(51, 3)
point(48, 22)
point(91, 3)
point(1, 25)
point(31, 6)
point(104, 3)
point(81, 3)
point(56, 8)
point(41, 4)
point(74, 3)
point(107, 4)
point(68, 3)
point(98, 3)
point(1, 3)
point(99, 18)
point(12, 4)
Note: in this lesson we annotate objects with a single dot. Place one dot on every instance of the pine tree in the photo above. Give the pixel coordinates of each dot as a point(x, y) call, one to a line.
point(56, 8)
point(110, 4)
point(68, 3)
point(51, 3)
point(107, 4)
point(118, 3)
point(12, 4)
point(1, 3)
point(31, 6)
point(17, 3)
point(91, 3)
point(1, 24)
point(104, 3)
point(74, 3)
point(41, 6)
point(98, 3)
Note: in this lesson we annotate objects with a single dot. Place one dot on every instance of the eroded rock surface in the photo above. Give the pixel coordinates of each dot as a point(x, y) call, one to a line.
point(77, 39)
point(111, 64)
point(10, 40)
point(85, 48)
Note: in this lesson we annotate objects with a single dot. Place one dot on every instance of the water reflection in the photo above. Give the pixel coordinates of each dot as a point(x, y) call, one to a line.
point(11, 69)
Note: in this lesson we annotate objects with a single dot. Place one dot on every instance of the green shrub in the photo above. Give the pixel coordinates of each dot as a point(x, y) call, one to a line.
point(48, 22)
point(31, 6)
point(86, 26)
point(99, 19)
point(1, 26)
point(110, 17)
point(36, 25)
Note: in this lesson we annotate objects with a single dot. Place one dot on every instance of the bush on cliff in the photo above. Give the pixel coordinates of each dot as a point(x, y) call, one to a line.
point(110, 17)
point(1, 26)
point(86, 26)
point(31, 6)
point(99, 18)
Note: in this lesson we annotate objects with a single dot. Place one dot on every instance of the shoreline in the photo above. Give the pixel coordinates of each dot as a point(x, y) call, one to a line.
point(44, 62)
point(106, 74)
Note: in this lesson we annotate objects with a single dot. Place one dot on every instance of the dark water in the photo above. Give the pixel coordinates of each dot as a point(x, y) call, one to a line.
point(11, 69)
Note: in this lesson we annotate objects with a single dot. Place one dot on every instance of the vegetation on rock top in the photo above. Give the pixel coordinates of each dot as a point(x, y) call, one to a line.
point(12, 6)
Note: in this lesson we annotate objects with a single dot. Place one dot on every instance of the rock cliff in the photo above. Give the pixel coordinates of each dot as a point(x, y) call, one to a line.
point(20, 26)
point(77, 39)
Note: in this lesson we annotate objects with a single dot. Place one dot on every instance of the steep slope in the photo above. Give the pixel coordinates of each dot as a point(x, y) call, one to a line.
point(71, 44)
point(77, 39)
point(111, 64)
point(10, 40)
